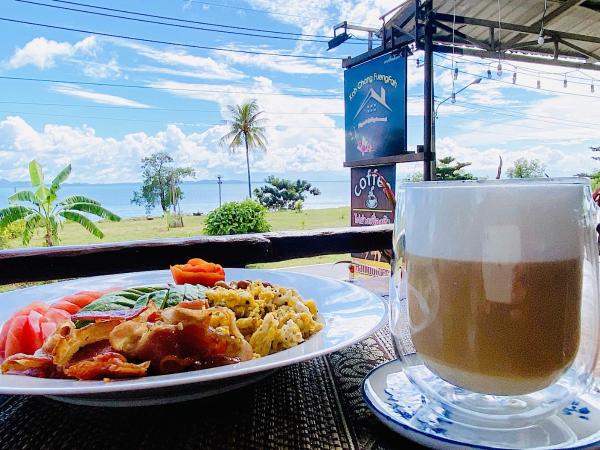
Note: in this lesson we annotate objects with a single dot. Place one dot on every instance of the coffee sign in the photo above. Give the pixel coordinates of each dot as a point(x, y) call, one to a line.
point(372, 204)
point(375, 108)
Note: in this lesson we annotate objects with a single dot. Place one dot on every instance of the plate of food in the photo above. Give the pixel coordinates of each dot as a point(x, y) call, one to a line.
point(166, 336)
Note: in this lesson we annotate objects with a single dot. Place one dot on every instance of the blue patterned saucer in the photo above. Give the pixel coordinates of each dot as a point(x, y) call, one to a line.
point(402, 407)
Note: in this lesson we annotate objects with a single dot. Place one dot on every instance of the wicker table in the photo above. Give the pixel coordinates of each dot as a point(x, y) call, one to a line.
point(314, 404)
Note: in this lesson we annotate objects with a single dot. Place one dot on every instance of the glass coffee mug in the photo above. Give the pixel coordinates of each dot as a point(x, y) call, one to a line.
point(494, 296)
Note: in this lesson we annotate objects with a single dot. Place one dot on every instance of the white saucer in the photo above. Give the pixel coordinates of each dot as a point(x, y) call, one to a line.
point(402, 407)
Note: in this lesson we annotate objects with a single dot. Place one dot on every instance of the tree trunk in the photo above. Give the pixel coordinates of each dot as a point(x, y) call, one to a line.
point(48, 236)
point(248, 166)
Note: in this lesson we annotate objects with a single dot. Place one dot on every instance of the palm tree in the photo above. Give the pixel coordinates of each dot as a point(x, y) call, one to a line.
point(246, 128)
point(43, 210)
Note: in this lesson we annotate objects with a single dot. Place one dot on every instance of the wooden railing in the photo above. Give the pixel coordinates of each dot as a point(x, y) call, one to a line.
point(47, 263)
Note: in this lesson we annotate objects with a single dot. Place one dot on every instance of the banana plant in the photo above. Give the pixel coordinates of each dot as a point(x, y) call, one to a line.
point(41, 208)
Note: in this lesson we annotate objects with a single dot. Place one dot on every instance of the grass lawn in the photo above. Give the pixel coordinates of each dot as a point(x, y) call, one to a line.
point(142, 228)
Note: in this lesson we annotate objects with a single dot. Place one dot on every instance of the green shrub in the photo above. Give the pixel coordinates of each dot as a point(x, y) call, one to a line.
point(237, 218)
point(11, 231)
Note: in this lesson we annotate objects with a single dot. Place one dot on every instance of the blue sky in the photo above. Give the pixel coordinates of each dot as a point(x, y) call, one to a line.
point(183, 94)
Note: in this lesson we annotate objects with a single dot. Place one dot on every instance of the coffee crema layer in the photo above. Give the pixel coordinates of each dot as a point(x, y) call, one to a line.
point(495, 328)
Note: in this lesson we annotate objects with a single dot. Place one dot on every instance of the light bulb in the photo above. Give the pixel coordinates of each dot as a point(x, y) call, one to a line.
point(453, 97)
point(515, 78)
point(499, 69)
point(541, 38)
point(565, 82)
point(539, 84)
point(455, 73)
point(489, 73)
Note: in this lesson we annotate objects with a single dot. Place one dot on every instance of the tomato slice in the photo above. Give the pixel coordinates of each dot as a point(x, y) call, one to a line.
point(16, 340)
point(57, 316)
point(35, 306)
point(3, 335)
point(47, 329)
point(33, 332)
point(67, 306)
point(83, 298)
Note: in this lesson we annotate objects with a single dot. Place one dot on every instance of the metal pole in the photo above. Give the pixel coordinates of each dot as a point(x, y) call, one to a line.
point(428, 125)
point(219, 183)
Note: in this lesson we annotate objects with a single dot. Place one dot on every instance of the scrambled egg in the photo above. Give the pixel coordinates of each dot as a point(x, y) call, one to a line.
point(271, 318)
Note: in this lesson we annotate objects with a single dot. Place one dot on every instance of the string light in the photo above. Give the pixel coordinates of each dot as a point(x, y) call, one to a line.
point(515, 78)
point(565, 81)
point(455, 68)
point(453, 97)
point(499, 69)
point(540, 39)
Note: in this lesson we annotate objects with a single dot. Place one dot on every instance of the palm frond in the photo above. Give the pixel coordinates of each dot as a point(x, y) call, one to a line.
point(36, 175)
point(23, 196)
point(83, 221)
point(56, 182)
point(13, 213)
point(78, 199)
point(41, 193)
point(94, 209)
point(245, 127)
point(32, 221)
point(61, 177)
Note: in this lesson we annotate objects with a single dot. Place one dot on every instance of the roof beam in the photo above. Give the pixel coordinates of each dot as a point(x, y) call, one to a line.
point(550, 17)
point(578, 49)
point(516, 57)
point(463, 36)
point(513, 27)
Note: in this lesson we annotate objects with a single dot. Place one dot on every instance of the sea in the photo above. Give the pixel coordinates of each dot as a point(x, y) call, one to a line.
point(198, 197)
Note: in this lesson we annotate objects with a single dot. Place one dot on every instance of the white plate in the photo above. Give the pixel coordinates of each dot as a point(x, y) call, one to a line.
point(402, 407)
point(349, 312)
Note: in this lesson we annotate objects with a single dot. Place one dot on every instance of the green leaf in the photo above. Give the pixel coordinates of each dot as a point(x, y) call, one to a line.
point(61, 177)
point(23, 196)
point(78, 199)
point(95, 209)
point(41, 194)
point(32, 221)
point(13, 213)
point(83, 221)
point(35, 173)
point(54, 225)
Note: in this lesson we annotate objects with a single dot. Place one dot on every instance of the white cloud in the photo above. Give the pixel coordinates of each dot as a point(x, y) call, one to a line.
point(106, 159)
point(97, 97)
point(105, 70)
point(43, 53)
point(205, 67)
point(284, 64)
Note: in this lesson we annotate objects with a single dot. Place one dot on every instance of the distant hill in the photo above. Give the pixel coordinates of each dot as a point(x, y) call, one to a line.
point(8, 183)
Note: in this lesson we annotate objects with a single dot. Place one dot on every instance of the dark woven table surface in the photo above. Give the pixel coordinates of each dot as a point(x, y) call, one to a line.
point(315, 404)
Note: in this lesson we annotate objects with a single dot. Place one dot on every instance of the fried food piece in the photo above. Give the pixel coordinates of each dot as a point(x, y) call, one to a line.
point(68, 340)
point(34, 366)
point(106, 365)
point(182, 338)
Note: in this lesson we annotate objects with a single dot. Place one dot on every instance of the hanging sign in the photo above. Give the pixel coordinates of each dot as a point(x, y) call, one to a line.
point(375, 108)
point(372, 204)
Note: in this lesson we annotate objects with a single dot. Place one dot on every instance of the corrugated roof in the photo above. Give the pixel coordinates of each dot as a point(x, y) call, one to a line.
point(571, 27)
